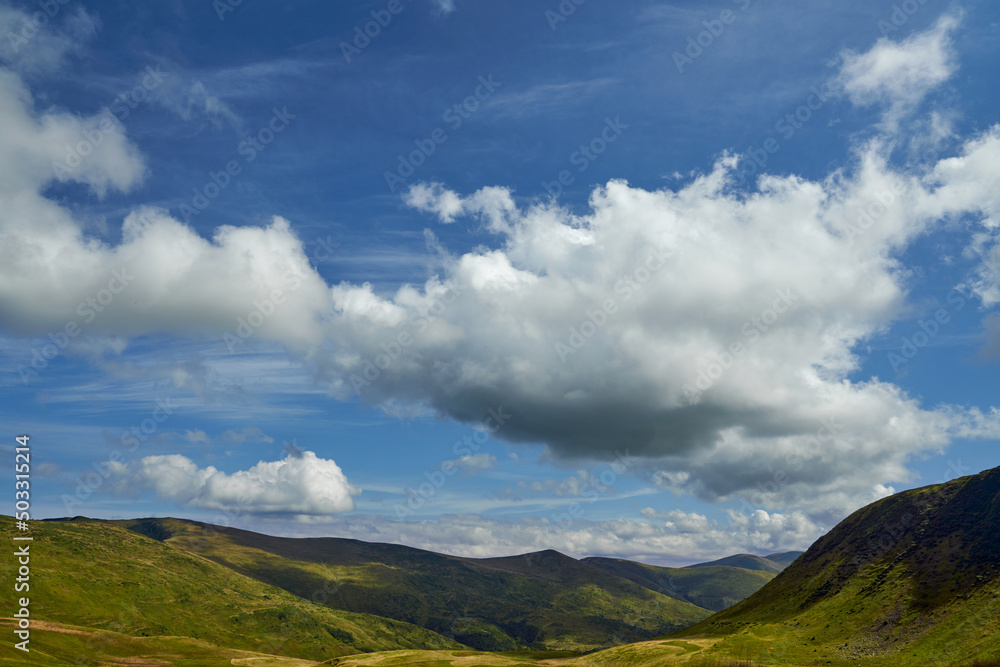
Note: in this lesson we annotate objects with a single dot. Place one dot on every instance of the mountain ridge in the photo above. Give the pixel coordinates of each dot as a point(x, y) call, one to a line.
point(913, 578)
point(537, 600)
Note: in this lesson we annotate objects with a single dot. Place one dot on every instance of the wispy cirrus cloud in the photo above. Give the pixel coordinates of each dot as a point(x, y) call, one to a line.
point(33, 47)
point(547, 97)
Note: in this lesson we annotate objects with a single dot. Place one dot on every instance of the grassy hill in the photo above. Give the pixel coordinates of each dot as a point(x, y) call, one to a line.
point(713, 587)
point(745, 562)
point(541, 600)
point(99, 583)
point(913, 579)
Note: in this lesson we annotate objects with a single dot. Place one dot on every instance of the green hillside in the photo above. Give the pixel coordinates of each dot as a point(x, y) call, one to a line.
point(92, 577)
point(542, 600)
point(715, 587)
point(913, 579)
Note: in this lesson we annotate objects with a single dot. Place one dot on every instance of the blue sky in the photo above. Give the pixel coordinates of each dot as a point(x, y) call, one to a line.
point(548, 211)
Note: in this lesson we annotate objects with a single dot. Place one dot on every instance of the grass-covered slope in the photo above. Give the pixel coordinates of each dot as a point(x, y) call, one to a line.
point(913, 579)
point(543, 600)
point(715, 588)
point(97, 576)
point(60, 645)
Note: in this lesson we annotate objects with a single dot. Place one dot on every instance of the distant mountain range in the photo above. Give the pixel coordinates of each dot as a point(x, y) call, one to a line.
point(542, 600)
point(234, 588)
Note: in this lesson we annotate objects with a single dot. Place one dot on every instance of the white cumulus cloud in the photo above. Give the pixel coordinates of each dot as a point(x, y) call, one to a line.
point(898, 75)
point(300, 484)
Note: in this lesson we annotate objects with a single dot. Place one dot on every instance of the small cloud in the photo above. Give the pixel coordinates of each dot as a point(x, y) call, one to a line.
point(445, 6)
point(572, 486)
point(434, 198)
point(548, 97)
point(898, 75)
point(471, 464)
point(196, 435)
point(494, 204)
point(190, 100)
point(249, 434)
point(675, 482)
point(48, 470)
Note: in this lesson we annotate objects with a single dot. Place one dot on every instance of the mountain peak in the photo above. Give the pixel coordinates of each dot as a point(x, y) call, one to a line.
point(745, 561)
